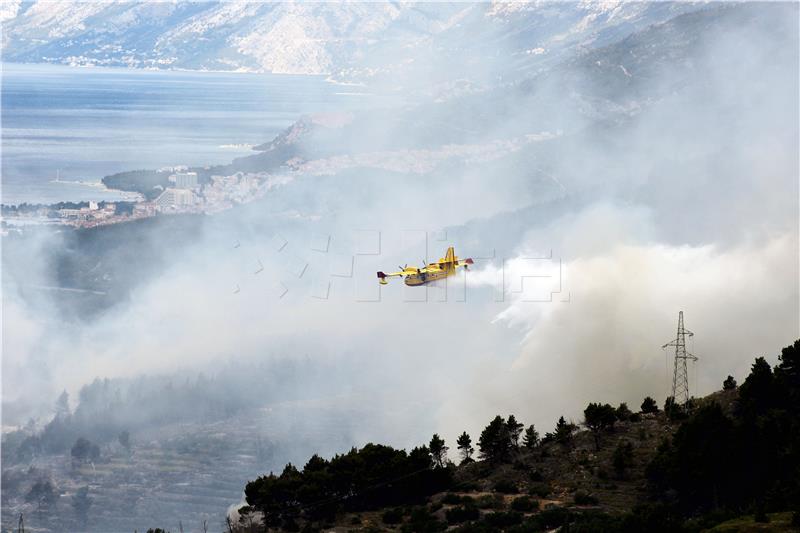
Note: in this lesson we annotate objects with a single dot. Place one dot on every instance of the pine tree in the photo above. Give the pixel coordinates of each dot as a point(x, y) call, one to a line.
point(465, 447)
point(514, 430)
point(623, 413)
point(787, 375)
point(495, 441)
point(649, 405)
point(729, 383)
point(789, 367)
point(599, 417)
point(531, 438)
point(564, 430)
point(62, 405)
point(438, 451)
point(757, 393)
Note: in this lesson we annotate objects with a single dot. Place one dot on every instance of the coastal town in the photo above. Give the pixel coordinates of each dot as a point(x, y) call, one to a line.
point(184, 195)
point(184, 191)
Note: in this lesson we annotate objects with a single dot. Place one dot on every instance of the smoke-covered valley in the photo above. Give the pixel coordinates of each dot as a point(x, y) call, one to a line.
point(599, 193)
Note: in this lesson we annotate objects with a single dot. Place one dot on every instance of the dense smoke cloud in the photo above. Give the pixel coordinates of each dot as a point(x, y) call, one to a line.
point(692, 206)
point(602, 345)
point(679, 192)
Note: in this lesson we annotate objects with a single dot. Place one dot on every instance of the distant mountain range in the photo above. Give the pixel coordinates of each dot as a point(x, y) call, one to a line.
point(349, 41)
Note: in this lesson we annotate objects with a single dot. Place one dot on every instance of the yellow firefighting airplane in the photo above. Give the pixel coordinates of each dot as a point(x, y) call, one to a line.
point(446, 266)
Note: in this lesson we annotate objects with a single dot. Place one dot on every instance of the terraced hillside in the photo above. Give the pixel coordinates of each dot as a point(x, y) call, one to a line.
point(176, 475)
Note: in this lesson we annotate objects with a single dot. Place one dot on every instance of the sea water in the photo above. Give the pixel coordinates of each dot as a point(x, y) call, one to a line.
point(64, 128)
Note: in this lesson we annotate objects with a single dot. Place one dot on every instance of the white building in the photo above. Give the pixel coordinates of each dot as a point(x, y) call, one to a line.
point(184, 180)
point(69, 213)
point(175, 198)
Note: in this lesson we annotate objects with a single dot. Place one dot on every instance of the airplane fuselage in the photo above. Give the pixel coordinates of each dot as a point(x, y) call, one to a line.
point(428, 274)
point(415, 276)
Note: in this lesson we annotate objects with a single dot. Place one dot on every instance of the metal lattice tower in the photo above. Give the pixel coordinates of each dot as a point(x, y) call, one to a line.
point(680, 378)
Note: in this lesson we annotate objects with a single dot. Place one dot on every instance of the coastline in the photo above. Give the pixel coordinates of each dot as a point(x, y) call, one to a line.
point(174, 111)
point(325, 76)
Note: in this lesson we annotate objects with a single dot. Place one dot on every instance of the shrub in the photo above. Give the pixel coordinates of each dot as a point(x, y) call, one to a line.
point(422, 521)
point(760, 516)
point(506, 486)
point(451, 499)
point(553, 518)
point(479, 526)
point(490, 501)
point(534, 475)
point(524, 504)
point(539, 489)
point(462, 513)
point(503, 519)
point(392, 516)
point(467, 486)
point(583, 498)
point(623, 457)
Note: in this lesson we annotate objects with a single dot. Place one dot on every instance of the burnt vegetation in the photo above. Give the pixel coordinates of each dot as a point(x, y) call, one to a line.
point(683, 468)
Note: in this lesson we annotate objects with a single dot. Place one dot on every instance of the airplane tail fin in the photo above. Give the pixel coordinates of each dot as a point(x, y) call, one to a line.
point(450, 257)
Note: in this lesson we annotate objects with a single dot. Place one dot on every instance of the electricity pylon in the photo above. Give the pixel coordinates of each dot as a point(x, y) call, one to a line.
point(680, 378)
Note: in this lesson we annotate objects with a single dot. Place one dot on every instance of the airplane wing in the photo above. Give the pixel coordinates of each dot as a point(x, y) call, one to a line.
point(382, 276)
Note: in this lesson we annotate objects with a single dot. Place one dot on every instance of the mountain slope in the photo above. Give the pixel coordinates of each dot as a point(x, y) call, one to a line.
point(348, 40)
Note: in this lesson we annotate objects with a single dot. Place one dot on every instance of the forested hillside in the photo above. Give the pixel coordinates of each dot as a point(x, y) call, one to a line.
point(733, 453)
